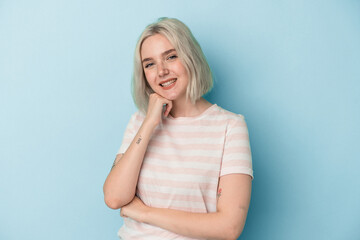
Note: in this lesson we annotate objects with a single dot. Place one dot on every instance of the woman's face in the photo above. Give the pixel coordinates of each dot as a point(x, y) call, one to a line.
point(163, 69)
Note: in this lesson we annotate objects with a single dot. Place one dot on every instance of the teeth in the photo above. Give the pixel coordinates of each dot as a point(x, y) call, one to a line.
point(168, 83)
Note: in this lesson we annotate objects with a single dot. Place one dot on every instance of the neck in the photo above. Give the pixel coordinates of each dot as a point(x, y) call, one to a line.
point(186, 108)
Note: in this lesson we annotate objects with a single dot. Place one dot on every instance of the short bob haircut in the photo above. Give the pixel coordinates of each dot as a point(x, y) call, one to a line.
point(189, 52)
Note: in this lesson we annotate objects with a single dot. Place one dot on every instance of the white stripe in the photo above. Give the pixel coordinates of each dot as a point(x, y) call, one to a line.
point(179, 177)
point(239, 129)
point(238, 143)
point(238, 156)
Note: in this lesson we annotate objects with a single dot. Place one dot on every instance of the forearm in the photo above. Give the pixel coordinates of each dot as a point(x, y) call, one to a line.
point(218, 225)
point(120, 185)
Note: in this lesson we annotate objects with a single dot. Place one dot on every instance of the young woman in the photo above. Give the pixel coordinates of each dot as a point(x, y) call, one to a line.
point(184, 168)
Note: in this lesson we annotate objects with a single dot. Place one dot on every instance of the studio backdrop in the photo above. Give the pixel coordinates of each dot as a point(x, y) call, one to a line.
point(292, 68)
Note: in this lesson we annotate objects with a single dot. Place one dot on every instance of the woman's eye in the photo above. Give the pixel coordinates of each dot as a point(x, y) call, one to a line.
point(148, 65)
point(172, 57)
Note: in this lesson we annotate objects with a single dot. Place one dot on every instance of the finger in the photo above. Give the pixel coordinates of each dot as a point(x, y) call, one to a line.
point(122, 214)
point(168, 108)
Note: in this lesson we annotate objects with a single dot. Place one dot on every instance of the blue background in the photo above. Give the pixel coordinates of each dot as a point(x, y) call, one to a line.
point(291, 67)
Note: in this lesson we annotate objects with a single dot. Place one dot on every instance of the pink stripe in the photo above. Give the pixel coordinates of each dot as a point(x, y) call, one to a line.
point(176, 184)
point(139, 118)
point(203, 146)
point(176, 197)
point(173, 157)
point(186, 209)
point(203, 122)
point(187, 171)
point(237, 163)
point(237, 124)
point(238, 136)
point(174, 134)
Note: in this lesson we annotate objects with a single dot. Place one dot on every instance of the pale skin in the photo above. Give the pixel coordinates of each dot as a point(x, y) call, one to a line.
point(161, 64)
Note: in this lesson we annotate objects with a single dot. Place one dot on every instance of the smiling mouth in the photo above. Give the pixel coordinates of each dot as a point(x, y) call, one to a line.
point(168, 83)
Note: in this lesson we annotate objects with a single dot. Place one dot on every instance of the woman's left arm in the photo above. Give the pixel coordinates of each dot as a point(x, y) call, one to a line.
point(227, 222)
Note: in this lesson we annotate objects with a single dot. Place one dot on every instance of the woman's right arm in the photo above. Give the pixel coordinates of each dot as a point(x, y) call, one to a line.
point(120, 185)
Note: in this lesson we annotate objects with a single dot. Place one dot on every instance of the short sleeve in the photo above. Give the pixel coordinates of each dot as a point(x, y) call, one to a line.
point(129, 134)
point(237, 153)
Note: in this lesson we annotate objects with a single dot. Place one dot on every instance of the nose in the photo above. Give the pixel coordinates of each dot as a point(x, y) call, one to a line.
point(162, 69)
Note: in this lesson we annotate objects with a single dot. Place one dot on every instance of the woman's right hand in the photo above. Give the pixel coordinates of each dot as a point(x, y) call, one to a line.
point(120, 185)
point(155, 108)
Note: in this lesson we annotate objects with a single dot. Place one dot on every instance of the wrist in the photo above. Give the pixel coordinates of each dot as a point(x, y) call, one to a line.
point(149, 124)
point(146, 214)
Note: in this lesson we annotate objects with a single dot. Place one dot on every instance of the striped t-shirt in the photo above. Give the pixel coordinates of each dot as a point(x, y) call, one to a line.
point(183, 162)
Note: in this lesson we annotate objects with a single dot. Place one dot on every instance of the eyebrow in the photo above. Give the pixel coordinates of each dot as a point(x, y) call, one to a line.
point(164, 53)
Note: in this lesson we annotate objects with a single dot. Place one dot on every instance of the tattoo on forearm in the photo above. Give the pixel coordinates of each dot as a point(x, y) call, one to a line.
point(139, 140)
point(219, 193)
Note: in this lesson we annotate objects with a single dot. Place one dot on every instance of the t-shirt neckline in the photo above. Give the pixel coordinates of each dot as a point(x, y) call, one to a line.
point(201, 115)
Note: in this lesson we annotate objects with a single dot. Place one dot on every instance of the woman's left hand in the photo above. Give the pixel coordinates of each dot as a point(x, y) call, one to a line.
point(136, 210)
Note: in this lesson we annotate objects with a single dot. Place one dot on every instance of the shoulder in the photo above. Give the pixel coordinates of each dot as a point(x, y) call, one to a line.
point(230, 118)
point(233, 122)
point(136, 120)
point(137, 116)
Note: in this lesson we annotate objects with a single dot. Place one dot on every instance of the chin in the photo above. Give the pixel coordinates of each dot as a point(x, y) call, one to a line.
point(167, 95)
point(171, 98)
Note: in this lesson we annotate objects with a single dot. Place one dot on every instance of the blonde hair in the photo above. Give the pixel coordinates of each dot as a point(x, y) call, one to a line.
point(189, 52)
